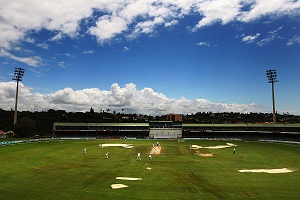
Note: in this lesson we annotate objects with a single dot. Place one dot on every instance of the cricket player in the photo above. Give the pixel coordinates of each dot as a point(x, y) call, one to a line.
point(84, 150)
point(138, 156)
point(106, 155)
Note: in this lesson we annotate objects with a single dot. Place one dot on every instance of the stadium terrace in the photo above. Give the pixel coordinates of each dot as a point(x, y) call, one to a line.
point(175, 130)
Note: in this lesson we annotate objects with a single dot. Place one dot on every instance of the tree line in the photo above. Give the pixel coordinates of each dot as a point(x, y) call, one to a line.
point(41, 122)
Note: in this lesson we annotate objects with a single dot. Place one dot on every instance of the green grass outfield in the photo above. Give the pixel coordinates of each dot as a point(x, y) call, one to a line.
point(58, 169)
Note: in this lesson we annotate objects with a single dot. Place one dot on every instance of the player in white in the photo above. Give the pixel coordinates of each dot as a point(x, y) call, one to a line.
point(150, 157)
point(138, 156)
point(84, 150)
point(106, 155)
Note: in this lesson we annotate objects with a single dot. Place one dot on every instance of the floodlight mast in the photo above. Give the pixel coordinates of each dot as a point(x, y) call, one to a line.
point(272, 78)
point(18, 74)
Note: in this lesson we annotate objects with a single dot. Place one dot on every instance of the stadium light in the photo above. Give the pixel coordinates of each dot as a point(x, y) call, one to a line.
point(272, 78)
point(18, 74)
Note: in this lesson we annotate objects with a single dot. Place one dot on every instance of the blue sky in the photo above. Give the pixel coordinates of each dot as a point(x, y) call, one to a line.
point(151, 57)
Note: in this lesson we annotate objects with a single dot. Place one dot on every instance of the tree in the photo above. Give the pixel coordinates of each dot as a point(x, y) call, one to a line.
point(26, 127)
point(92, 110)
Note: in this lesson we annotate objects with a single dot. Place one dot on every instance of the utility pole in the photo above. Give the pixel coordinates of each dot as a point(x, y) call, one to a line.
point(272, 78)
point(18, 74)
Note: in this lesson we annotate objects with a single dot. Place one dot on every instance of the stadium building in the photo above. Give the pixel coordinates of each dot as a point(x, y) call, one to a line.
point(171, 130)
point(175, 117)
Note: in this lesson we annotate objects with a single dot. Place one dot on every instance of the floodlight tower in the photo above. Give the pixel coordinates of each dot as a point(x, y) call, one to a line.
point(272, 78)
point(18, 74)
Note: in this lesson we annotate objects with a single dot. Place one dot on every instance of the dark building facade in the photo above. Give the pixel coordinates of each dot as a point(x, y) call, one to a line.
point(170, 129)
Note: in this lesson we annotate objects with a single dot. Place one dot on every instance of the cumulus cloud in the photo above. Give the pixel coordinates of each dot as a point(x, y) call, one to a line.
point(263, 8)
point(108, 27)
point(171, 23)
point(20, 17)
point(129, 17)
point(129, 98)
point(217, 11)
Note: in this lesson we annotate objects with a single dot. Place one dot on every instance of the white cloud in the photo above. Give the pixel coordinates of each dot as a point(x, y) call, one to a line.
point(9, 34)
point(126, 49)
point(275, 31)
point(294, 40)
point(129, 98)
point(89, 52)
point(19, 19)
point(29, 40)
point(36, 71)
point(203, 44)
point(272, 35)
point(147, 27)
point(108, 27)
point(250, 38)
point(64, 17)
point(43, 45)
point(217, 11)
point(32, 61)
point(57, 37)
point(61, 64)
point(67, 54)
point(171, 23)
point(276, 8)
